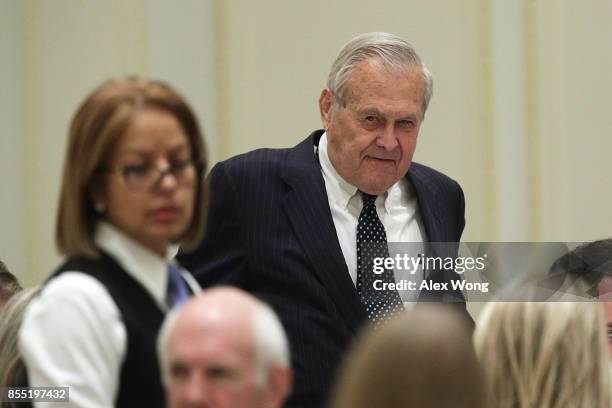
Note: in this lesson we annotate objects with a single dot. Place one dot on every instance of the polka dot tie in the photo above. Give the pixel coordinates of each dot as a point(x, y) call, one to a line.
point(372, 243)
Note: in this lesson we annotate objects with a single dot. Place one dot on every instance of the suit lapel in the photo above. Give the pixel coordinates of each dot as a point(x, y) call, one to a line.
point(429, 209)
point(436, 229)
point(307, 208)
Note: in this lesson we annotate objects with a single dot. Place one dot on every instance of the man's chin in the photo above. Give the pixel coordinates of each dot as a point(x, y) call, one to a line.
point(375, 187)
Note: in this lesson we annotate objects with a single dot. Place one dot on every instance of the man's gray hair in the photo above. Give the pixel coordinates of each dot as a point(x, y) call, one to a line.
point(271, 346)
point(393, 52)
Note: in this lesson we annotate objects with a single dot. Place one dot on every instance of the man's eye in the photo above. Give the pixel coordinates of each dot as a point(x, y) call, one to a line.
point(406, 124)
point(371, 121)
point(178, 372)
point(219, 373)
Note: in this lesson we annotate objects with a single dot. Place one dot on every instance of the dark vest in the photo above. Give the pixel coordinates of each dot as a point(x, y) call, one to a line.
point(140, 383)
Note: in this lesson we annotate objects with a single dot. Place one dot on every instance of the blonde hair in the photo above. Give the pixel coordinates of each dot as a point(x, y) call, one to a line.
point(11, 366)
point(551, 355)
point(97, 125)
point(423, 358)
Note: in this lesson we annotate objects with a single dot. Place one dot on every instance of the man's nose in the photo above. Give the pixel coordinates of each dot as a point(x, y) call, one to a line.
point(387, 139)
point(195, 394)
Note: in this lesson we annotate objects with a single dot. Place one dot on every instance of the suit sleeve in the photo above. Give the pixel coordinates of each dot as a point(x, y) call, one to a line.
point(220, 259)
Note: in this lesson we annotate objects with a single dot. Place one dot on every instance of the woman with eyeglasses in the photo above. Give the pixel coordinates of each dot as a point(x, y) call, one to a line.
point(132, 189)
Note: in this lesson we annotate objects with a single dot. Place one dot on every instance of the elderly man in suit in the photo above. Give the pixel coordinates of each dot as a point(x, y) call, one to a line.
point(290, 225)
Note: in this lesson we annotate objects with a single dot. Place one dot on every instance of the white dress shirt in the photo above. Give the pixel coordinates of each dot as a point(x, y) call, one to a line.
point(72, 333)
point(397, 209)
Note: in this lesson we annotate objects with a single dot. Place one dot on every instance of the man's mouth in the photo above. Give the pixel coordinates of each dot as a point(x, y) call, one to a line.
point(381, 159)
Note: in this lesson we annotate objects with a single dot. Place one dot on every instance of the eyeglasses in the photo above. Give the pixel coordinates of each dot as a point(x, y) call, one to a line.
point(142, 177)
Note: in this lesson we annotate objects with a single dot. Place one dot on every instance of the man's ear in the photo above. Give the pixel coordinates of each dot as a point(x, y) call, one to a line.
point(326, 102)
point(280, 381)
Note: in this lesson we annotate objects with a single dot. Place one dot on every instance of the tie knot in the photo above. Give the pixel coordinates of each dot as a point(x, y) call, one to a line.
point(368, 199)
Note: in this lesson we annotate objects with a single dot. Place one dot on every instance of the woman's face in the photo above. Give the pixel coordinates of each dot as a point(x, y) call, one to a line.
point(149, 189)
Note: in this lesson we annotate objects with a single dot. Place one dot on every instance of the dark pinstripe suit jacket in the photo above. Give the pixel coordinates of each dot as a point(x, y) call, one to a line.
point(270, 232)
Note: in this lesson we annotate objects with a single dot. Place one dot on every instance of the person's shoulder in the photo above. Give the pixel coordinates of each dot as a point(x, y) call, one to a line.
point(74, 298)
point(433, 177)
point(250, 170)
point(265, 164)
point(259, 158)
point(74, 287)
point(274, 159)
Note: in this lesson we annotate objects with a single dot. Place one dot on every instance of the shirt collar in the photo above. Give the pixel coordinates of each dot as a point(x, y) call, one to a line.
point(148, 268)
point(398, 195)
point(341, 190)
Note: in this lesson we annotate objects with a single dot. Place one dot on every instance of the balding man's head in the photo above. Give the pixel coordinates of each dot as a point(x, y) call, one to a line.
point(224, 348)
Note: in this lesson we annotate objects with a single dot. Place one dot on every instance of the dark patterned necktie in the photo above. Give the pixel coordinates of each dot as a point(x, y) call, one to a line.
point(372, 243)
point(177, 292)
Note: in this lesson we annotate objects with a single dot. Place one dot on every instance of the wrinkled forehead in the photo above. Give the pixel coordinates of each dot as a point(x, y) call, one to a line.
point(374, 69)
point(395, 67)
point(217, 345)
point(371, 83)
point(214, 324)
